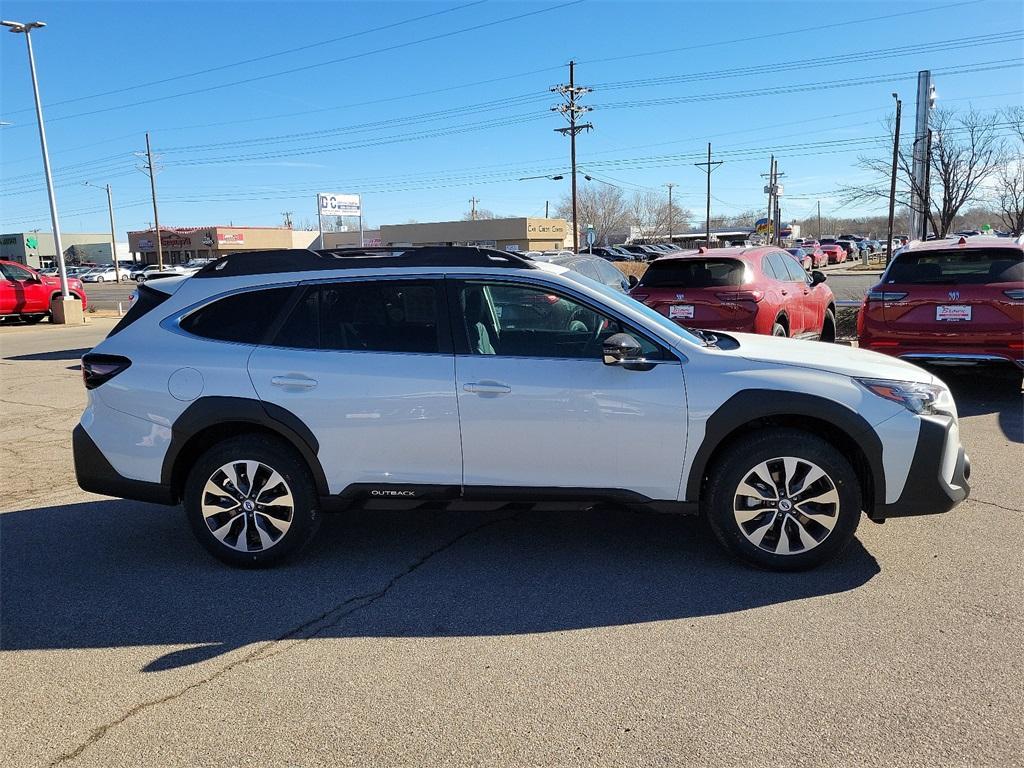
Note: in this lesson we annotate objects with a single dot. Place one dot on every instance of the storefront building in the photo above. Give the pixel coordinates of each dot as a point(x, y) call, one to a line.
point(519, 234)
point(181, 244)
point(37, 250)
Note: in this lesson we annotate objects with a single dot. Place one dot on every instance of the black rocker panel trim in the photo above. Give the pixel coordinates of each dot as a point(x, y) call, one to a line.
point(211, 411)
point(751, 404)
point(96, 475)
point(357, 493)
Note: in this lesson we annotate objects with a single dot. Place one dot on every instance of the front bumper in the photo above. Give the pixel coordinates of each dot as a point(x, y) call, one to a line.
point(931, 488)
point(95, 474)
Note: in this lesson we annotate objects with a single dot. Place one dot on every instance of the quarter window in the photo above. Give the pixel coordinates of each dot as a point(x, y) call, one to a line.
point(244, 318)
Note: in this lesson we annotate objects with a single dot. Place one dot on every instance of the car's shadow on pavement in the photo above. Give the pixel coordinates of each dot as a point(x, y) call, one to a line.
point(60, 354)
point(981, 390)
point(119, 573)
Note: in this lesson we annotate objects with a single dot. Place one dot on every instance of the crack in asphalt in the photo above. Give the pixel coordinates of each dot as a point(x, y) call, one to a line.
point(328, 619)
point(993, 504)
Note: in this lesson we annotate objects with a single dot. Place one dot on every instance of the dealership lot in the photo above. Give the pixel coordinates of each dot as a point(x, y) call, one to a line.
point(496, 637)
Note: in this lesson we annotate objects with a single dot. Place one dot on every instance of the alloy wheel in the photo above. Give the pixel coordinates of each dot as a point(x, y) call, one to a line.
point(786, 505)
point(247, 505)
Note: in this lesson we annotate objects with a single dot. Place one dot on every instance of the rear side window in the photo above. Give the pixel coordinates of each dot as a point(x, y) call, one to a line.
point(786, 267)
point(968, 266)
point(147, 300)
point(380, 316)
point(693, 273)
point(244, 318)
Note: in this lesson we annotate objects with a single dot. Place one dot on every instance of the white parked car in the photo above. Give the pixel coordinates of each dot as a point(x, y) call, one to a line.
point(271, 387)
point(105, 275)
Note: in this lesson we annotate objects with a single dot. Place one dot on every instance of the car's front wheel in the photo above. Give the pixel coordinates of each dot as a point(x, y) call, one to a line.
point(251, 501)
point(783, 499)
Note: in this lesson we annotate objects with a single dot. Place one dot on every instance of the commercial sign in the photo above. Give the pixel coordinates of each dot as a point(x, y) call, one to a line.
point(338, 205)
point(230, 238)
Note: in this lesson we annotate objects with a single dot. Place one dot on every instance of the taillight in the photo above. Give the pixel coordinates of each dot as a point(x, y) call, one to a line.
point(1016, 294)
point(98, 369)
point(886, 295)
point(754, 296)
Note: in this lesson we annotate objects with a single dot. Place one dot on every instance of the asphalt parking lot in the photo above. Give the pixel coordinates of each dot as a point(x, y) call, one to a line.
point(606, 637)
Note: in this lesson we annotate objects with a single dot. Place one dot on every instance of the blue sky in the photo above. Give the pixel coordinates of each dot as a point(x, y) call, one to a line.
point(451, 101)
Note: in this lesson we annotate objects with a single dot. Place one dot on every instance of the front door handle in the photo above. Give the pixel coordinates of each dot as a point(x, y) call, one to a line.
point(487, 388)
point(294, 381)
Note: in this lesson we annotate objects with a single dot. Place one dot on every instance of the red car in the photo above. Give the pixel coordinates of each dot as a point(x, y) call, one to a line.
point(818, 257)
point(835, 254)
point(949, 301)
point(752, 290)
point(26, 294)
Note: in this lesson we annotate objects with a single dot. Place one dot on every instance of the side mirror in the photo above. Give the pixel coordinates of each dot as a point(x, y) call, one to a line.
point(818, 277)
point(633, 281)
point(621, 348)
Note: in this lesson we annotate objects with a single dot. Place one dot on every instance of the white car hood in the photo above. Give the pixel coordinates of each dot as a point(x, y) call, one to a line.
point(834, 358)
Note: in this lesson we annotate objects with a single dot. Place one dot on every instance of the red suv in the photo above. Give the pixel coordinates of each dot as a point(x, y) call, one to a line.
point(951, 301)
point(25, 293)
point(752, 290)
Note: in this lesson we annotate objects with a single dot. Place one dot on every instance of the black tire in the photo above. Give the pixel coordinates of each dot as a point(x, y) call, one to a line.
point(828, 328)
point(779, 330)
point(270, 453)
point(783, 530)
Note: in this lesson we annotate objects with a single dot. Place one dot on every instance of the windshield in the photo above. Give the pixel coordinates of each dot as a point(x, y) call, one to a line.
point(955, 267)
point(693, 273)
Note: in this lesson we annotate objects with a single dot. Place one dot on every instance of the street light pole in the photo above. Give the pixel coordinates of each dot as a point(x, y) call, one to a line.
point(26, 29)
point(113, 236)
point(670, 185)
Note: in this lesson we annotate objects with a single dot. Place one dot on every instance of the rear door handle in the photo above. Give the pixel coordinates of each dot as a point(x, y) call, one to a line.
point(487, 388)
point(294, 381)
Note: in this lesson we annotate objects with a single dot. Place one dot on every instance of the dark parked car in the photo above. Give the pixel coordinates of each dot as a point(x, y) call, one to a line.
point(609, 253)
point(596, 268)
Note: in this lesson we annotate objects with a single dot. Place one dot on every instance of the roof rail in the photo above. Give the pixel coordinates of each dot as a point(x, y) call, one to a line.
point(306, 260)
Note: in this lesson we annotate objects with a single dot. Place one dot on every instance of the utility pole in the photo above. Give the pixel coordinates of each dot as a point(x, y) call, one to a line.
point(472, 208)
point(113, 236)
point(925, 202)
point(572, 110)
point(546, 209)
point(819, 220)
point(708, 168)
point(151, 170)
point(287, 219)
point(925, 104)
point(769, 188)
point(892, 180)
point(670, 185)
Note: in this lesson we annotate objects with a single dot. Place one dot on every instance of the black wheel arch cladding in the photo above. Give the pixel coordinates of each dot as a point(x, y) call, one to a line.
point(751, 405)
point(217, 411)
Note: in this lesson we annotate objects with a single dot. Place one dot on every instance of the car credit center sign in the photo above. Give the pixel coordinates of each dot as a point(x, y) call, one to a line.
point(338, 205)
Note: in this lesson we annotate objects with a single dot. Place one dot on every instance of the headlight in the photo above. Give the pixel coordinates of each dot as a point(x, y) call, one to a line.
point(915, 397)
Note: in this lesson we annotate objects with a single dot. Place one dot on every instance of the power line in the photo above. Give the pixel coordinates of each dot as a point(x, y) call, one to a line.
point(307, 67)
point(256, 59)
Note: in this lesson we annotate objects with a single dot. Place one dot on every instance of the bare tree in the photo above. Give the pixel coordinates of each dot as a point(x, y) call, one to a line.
point(481, 213)
point(1010, 178)
point(649, 214)
point(602, 206)
point(966, 153)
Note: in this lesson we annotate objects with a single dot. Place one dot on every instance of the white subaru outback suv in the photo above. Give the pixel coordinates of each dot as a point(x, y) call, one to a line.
point(272, 386)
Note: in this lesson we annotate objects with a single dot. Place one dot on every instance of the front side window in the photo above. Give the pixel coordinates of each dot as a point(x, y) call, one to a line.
point(12, 272)
point(244, 318)
point(512, 320)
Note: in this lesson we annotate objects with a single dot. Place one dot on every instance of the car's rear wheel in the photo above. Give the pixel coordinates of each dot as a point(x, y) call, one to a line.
point(783, 499)
point(828, 327)
point(251, 501)
point(779, 330)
